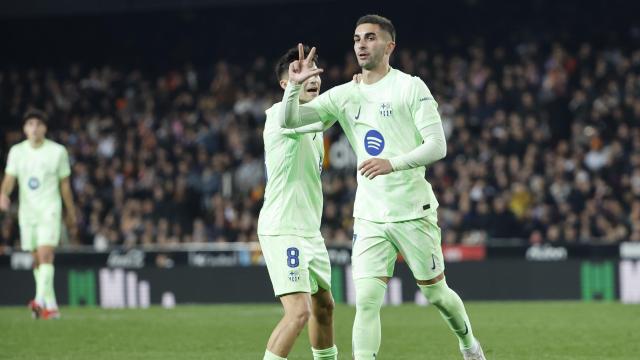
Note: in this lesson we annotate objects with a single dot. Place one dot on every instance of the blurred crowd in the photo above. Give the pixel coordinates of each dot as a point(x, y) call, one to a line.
point(543, 146)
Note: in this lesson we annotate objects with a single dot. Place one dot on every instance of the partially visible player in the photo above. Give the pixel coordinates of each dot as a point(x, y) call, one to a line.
point(41, 168)
point(392, 123)
point(289, 227)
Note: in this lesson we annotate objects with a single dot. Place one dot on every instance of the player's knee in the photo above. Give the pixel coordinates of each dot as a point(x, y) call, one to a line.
point(299, 315)
point(323, 311)
point(44, 256)
point(368, 301)
point(436, 294)
point(330, 306)
point(302, 316)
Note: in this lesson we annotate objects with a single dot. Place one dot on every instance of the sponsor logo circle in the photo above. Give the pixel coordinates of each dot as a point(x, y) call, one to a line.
point(33, 183)
point(373, 142)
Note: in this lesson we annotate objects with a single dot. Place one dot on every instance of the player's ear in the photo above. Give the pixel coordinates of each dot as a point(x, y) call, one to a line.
point(390, 47)
point(283, 83)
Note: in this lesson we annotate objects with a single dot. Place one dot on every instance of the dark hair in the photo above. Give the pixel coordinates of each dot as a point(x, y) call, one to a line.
point(282, 66)
point(384, 23)
point(35, 114)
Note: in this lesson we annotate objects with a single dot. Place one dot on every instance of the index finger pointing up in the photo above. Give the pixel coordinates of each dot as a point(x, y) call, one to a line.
point(300, 52)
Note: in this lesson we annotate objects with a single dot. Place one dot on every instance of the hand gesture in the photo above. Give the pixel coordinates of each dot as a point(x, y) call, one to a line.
point(302, 69)
point(373, 167)
point(5, 202)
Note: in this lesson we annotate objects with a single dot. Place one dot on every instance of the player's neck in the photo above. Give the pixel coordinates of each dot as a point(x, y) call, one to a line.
point(36, 143)
point(374, 75)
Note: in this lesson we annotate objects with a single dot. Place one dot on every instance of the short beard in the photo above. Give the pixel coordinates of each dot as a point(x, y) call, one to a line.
point(370, 65)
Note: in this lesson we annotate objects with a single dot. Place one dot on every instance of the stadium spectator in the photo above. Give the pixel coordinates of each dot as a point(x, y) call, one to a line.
point(543, 145)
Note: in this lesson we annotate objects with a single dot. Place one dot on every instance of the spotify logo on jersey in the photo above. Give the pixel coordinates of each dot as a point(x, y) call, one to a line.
point(373, 142)
point(33, 183)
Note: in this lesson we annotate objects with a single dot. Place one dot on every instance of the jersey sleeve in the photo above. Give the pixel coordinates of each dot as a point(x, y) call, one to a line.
point(424, 107)
point(12, 163)
point(325, 106)
point(64, 169)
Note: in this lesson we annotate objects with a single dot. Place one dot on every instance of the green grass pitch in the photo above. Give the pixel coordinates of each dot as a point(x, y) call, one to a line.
point(507, 330)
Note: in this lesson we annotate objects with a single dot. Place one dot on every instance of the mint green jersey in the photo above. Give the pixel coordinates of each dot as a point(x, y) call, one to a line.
point(293, 195)
point(384, 120)
point(38, 172)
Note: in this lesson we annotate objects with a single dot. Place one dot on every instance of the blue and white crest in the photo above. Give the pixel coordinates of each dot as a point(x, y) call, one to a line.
point(33, 183)
point(385, 109)
point(294, 275)
point(373, 142)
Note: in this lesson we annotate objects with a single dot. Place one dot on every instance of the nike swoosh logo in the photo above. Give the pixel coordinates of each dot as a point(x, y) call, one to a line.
point(466, 329)
point(433, 259)
point(358, 116)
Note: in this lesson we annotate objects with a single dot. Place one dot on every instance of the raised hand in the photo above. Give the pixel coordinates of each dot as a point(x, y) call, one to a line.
point(303, 68)
point(373, 167)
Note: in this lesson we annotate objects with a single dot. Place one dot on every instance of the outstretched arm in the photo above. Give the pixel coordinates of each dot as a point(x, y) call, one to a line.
point(306, 129)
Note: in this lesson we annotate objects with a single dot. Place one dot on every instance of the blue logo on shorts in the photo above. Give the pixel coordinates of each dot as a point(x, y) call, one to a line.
point(373, 142)
point(33, 183)
point(294, 275)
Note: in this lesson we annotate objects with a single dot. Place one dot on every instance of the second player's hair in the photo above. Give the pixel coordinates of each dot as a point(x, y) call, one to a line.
point(384, 23)
point(282, 66)
point(35, 114)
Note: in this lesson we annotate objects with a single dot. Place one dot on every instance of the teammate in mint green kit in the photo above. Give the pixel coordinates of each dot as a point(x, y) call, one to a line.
point(41, 168)
point(392, 123)
point(289, 227)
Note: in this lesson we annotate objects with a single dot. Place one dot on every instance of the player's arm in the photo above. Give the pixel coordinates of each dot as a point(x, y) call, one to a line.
point(9, 180)
point(64, 172)
point(306, 129)
point(434, 144)
point(67, 197)
point(292, 114)
point(8, 184)
point(433, 148)
point(427, 120)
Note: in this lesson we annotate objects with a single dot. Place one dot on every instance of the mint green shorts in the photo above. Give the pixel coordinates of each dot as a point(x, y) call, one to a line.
point(44, 233)
point(376, 247)
point(296, 264)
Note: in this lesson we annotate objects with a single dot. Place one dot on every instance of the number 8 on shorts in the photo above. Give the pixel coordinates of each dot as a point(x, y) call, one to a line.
point(293, 259)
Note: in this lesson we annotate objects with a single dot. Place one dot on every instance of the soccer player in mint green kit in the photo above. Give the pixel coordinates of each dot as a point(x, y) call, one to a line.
point(392, 123)
point(289, 226)
point(41, 168)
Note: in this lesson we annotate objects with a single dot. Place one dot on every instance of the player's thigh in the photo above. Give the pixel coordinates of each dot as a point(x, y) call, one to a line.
point(48, 233)
point(373, 255)
point(28, 238)
point(419, 242)
point(287, 262)
point(319, 264)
